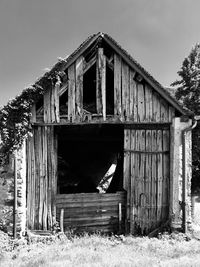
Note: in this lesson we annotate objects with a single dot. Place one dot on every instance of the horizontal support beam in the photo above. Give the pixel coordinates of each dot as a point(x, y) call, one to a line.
point(127, 125)
point(146, 152)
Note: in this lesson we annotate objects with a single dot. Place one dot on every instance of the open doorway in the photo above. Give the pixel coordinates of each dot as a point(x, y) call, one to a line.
point(90, 159)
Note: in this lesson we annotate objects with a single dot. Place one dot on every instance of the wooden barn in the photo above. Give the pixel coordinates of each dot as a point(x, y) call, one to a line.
point(110, 148)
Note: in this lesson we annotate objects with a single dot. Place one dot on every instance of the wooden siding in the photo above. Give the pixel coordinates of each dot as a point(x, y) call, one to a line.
point(146, 178)
point(92, 212)
point(134, 99)
point(41, 178)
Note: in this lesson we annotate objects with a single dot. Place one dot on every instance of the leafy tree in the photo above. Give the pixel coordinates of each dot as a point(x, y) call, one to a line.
point(188, 93)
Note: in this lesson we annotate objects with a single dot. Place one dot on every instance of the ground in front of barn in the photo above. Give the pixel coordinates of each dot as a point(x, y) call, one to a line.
point(98, 250)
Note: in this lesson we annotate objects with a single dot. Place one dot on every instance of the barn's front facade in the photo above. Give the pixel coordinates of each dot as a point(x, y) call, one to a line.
point(106, 147)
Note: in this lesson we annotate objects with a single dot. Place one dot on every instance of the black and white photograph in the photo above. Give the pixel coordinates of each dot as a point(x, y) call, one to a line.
point(99, 133)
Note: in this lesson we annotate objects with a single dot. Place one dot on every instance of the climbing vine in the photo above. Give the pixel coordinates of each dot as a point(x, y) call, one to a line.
point(15, 118)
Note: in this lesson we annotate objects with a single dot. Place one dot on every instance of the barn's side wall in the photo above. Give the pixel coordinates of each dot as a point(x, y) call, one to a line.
point(176, 173)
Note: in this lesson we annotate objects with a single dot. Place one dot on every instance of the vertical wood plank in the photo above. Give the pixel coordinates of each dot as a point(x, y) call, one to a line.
point(154, 180)
point(164, 111)
point(37, 175)
point(44, 160)
point(135, 108)
point(47, 106)
point(117, 86)
point(160, 176)
point(132, 184)
point(101, 83)
point(141, 103)
point(71, 93)
point(49, 178)
point(143, 197)
point(166, 174)
point(56, 107)
point(148, 171)
point(137, 184)
point(79, 86)
point(55, 173)
point(33, 113)
point(132, 94)
point(125, 92)
point(171, 113)
point(156, 107)
point(103, 87)
point(148, 103)
point(126, 181)
point(40, 179)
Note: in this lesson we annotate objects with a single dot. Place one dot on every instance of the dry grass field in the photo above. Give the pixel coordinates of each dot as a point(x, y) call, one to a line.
point(96, 250)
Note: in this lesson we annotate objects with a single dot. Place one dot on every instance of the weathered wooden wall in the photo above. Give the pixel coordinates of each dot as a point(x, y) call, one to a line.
point(146, 150)
point(92, 211)
point(41, 178)
point(134, 99)
point(146, 178)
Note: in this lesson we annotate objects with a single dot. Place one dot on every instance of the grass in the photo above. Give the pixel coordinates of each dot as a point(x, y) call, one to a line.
point(96, 250)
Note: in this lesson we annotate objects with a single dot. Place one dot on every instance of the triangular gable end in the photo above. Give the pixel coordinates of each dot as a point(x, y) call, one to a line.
point(100, 58)
point(128, 59)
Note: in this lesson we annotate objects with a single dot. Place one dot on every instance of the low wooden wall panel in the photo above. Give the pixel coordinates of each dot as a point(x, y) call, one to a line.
point(91, 211)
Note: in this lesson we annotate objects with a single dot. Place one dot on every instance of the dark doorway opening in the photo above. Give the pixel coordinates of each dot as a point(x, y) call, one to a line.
point(90, 159)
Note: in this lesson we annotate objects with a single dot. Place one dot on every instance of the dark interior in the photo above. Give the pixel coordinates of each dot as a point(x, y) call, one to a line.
point(85, 154)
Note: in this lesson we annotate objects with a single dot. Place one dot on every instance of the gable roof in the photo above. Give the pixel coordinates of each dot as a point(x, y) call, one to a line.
point(63, 64)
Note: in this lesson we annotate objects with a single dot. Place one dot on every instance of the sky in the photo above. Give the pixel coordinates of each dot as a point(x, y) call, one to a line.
point(159, 34)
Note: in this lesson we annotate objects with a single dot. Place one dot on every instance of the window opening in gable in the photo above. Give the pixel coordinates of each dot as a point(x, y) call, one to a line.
point(109, 91)
point(89, 90)
point(64, 103)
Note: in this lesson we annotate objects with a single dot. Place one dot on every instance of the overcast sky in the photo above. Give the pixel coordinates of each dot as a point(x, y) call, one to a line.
point(159, 34)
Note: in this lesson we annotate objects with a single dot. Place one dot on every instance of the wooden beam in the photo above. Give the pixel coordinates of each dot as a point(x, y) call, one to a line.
point(117, 86)
point(71, 93)
point(109, 64)
point(101, 83)
point(126, 125)
point(79, 86)
point(63, 89)
point(89, 64)
point(125, 92)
